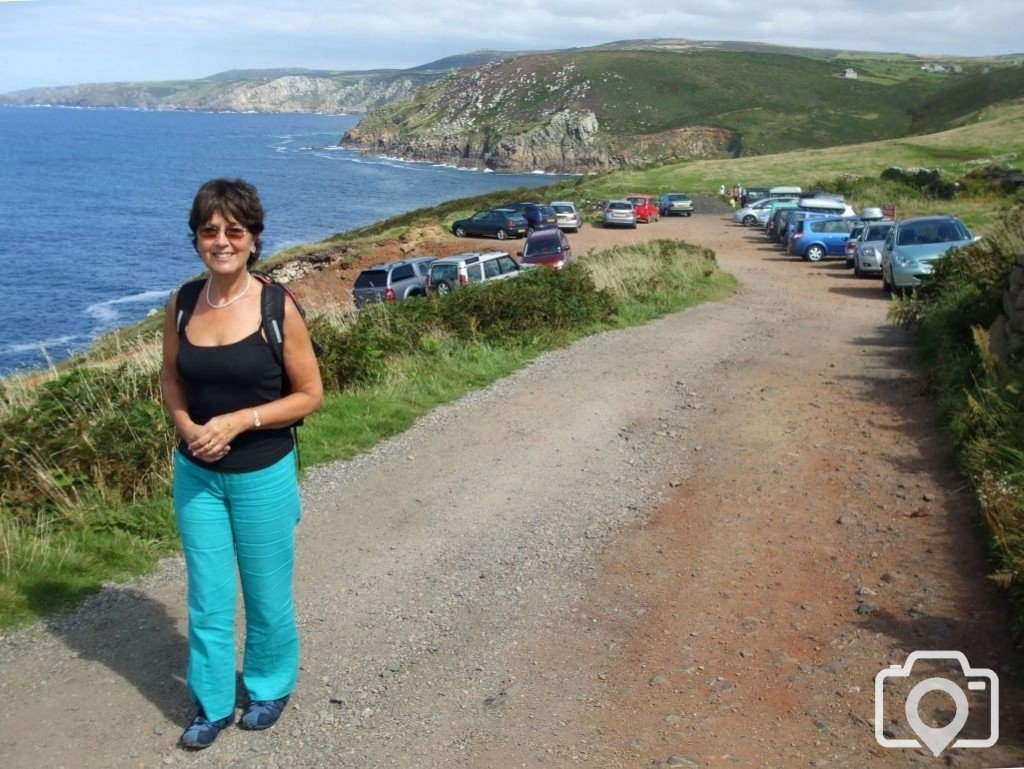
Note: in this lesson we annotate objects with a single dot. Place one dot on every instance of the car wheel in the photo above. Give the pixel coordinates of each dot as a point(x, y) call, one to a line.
point(460, 232)
point(689, 213)
point(444, 287)
point(815, 254)
point(856, 269)
point(501, 234)
point(749, 220)
point(849, 264)
point(886, 285)
point(632, 226)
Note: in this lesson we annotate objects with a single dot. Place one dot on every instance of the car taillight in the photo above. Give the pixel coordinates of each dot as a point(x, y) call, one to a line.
point(389, 295)
point(462, 280)
point(798, 234)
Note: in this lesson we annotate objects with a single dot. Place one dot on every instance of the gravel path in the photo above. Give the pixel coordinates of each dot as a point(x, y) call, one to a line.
point(523, 578)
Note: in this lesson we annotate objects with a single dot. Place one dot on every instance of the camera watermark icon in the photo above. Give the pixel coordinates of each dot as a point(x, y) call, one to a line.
point(937, 739)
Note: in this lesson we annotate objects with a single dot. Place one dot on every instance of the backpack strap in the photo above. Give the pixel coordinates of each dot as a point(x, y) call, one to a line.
point(185, 303)
point(272, 317)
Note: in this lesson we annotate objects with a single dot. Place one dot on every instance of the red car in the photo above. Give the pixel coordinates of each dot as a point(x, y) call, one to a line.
point(646, 208)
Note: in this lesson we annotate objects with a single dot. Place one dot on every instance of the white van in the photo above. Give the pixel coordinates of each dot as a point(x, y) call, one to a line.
point(785, 192)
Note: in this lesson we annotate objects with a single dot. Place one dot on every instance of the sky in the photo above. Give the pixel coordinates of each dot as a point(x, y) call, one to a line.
point(63, 42)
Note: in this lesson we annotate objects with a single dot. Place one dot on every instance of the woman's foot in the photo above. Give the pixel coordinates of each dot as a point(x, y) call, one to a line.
point(262, 714)
point(202, 731)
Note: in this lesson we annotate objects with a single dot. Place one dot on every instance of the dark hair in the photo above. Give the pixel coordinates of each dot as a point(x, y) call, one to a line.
point(232, 199)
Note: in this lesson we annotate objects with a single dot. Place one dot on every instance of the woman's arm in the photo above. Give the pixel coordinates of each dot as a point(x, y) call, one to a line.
point(170, 383)
point(305, 398)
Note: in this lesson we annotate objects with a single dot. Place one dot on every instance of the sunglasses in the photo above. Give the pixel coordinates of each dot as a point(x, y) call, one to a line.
point(234, 233)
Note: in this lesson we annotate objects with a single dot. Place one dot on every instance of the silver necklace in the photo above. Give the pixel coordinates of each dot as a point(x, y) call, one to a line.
point(229, 301)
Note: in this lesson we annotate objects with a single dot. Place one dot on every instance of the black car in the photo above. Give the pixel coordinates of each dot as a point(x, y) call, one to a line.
point(538, 216)
point(495, 222)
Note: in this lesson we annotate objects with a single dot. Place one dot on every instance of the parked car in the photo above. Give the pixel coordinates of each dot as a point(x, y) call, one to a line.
point(815, 238)
point(785, 192)
point(675, 203)
point(567, 217)
point(851, 243)
point(775, 220)
point(470, 267)
point(755, 194)
point(867, 252)
point(538, 216)
point(795, 217)
point(618, 213)
point(913, 245)
point(757, 213)
point(547, 247)
point(497, 223)
point(392, 282)
point(646, 209)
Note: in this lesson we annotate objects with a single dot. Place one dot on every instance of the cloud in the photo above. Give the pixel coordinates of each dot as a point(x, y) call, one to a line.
point(100, 40)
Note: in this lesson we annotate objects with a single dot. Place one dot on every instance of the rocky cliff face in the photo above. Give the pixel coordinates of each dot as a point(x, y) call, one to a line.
point(289, 93)
point(526, 114)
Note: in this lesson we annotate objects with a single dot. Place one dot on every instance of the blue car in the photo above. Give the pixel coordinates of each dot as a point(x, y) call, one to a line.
point(816, 238)
point(914, 244)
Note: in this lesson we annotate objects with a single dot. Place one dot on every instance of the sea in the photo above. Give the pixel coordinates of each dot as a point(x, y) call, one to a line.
point(94, 207)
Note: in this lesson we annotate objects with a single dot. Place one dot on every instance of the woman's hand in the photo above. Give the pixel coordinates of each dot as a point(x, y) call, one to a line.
point(212, 441)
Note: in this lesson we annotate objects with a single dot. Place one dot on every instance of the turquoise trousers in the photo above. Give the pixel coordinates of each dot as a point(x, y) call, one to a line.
point(242, 522)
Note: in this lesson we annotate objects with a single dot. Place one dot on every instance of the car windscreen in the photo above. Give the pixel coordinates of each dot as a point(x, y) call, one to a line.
point(563, 209)
point(877, 232)
point(617, 206)
point(678, 197)
point(372, 279)
point(928, 233)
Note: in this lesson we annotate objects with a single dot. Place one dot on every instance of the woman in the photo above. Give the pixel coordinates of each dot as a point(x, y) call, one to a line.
point(235, 486)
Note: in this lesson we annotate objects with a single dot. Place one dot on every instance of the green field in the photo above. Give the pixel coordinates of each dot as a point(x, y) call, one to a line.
point(774, 102)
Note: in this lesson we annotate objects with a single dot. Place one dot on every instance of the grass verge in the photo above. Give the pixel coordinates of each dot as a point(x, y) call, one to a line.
point(85, 453)
point(981, 397)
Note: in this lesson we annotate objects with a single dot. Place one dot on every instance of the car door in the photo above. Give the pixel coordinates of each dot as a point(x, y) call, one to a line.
point(508, 267)
point(479, 223)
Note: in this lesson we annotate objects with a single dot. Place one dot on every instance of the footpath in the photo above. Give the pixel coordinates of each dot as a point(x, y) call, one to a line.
point(693, 543)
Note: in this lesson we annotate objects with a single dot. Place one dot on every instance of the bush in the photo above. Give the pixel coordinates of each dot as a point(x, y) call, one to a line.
point(982, 399)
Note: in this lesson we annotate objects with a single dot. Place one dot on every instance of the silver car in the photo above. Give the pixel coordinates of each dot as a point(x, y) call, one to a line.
point(568, 218)
point(619, 213)
point(867, 254)
point(392, 282)
point(675, 203)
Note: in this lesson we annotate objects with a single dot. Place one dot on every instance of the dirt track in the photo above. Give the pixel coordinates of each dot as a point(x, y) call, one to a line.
point(647, 549)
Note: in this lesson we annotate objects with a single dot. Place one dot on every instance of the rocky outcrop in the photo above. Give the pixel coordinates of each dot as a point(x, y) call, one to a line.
point(1007, 333)
point(526, 114)
point(569, 142)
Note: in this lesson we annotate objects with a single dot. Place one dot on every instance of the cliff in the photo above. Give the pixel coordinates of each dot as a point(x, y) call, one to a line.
point(274, 90)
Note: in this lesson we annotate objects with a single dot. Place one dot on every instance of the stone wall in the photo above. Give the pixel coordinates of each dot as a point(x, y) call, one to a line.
point(1007, 333)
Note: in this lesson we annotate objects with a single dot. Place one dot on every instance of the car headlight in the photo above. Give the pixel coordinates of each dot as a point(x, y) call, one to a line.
point(903, 260)
point(870, 252)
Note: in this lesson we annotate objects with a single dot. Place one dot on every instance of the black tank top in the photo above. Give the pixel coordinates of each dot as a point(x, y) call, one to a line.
point(226, 378)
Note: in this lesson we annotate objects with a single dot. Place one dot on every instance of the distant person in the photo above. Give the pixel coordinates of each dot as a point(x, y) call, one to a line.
point(721, 189)
point(236, 493)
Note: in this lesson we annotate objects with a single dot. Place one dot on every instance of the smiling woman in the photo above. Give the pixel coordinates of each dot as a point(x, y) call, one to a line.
point(236, 493)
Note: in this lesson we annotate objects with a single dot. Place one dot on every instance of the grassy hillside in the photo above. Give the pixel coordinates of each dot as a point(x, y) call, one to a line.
point(774, 102)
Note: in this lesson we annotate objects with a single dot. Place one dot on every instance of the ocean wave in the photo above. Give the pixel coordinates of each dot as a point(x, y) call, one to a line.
point(41, 344)
point(107, 312)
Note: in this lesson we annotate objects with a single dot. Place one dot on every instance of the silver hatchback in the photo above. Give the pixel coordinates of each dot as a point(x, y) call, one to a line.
point(619, 213)
point(867, 254)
